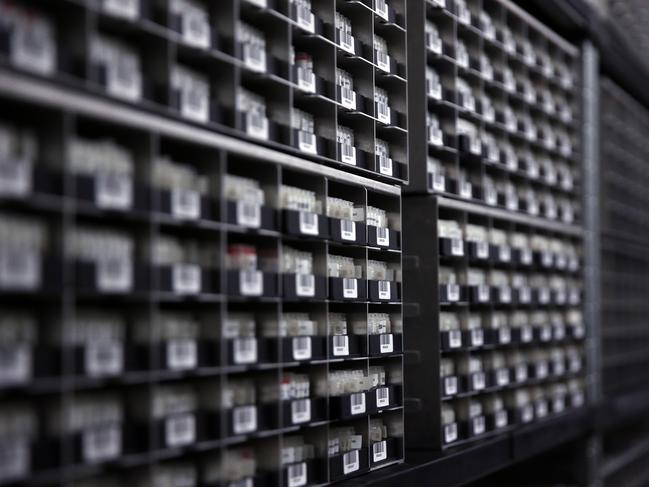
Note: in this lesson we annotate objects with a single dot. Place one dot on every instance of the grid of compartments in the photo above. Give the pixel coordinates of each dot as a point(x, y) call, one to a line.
point(323, 78)
point(507, 334)
point(174, 312)
point(502, 108)
point(625, 235)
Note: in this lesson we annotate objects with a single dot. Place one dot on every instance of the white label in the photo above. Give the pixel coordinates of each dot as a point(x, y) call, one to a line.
point(524, 294)
point(559, 331)
point(251, 282)
point(387, 343)
point(305, 285)
point(186, 278)
point(504, 335)
point(525, 256)
point(527, 414)
point(457, 247)
point(502, 377)
point(521, 373)
point(350, 288)
point(477, 337)
point(544, 295)
point(244, 419)
point(478, 380)
point(434, 89)
point(546, 333)
point(113, 190)
point(453, 292)
point(185, 204)
point(248, 215)
point(482, 249)
point(195, 27)
point(384, 290)
point(560, 296)
point(180, 429)
point(484, 293)
point(346, 41)
point(33, 45)
point(340, 345)
point(435, 135)
point(309, 223)
point(478, 425)
point(542, 370)
point(194, 101)
point(351, 462)
point(450, 385)
point(504, 253)
point(348, 230)
point(245, 350)
point(114, 274)
point(307, 142)
point(575, 364)
point(547, 259)
point(577, 399)
point(382, 397)
point(559, 367)
point(505, 294)
point(500, 419)
point(123, 77)
point(129, 9)
point(305, 80)
point(301, 411)
point(382, 236)
point(256, 125)
point(541, 409)
point(439, 182)
point(381, 9)
point(20, 268)
point(14, 458)
point(455, 338)
point(305, 18)
point(558, 404)
point(15, 177)
point(466, 190)
point(347, 154)
point(296, 474)
point(348, 98)
point(386, 166)
point(301, 348)
point(526, 333)
point(383, 60)
point(15, 364)
point(384, 114)
point(357, 402)
point(434, 43)
point(103, 358)
point(450, 432)
point(254, 57)
point(100, 443)
point(182, 354)
point(379, 451)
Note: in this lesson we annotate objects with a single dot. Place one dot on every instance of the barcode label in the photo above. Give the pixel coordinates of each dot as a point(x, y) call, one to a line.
point(457, 247)
point(453, 292)
point(450, 432)
point(194, 101)
point(527, 414)
point(305, 285)
point(348, 230)
point(15, 364)
point(251, 282)
point(195, 27)
point(256, 125)
point(340, 345)
point(455, 338)
point(351, 462)
point(504, 253)
point(386, 343)
point(379, 451)
point(384, 113)
point(482, 249)
point(248, 214)
point(346, 41)
point(381, 8)
point(305, 80)
point(357, 402)
point(477, 337)
point(478, 380)
point(307, 142)
point(347, 154)
point(254, 57)
point(309, 223)
point(114, 274)
point(15, 177)
point(521, 373)
point(186, 278)
point(526, 333)
point(505, 294)
point(101, 443)
point(245, 350)
point(478, 425)
point(484, 292)
point(301, 411)
point(19, 269)
point(185, 204)
point(297, 474)
point(348, 98)
point(385, 165)
point(502, 377)
point(382, 236)
point(113, 191)
point(182, 354)
point(450, 385)
point(305, 18)
point(244, 419)
point(123, 8)
point(500, 419)
point(350, 288)
point(14, 458)
point(383, 60)
point(439, 182)
point(123, 78)
point(180, 429)
point(301, 348)
point(384, 290)
point(103, 358)
point(504, 335)
point(382, 397)
point(33, 45)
